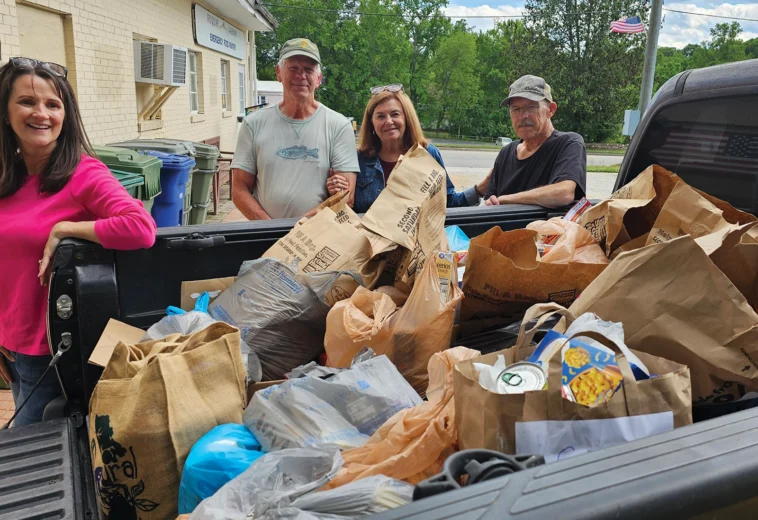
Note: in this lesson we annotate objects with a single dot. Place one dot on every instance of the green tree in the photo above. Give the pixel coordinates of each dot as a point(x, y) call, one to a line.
point(425, 26)
point(591, 70)
point(668, 63)
point(502, 55)
point(751, 48)
point(455, 85)
point(357, 52)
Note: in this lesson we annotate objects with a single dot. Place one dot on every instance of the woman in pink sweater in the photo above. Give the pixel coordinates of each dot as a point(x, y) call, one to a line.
point(51, 188)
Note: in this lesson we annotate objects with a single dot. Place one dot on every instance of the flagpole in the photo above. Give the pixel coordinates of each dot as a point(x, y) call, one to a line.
point(651, 51)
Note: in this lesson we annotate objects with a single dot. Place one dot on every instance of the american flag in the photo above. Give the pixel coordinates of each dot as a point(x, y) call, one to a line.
point(628, 26)
point(716, 159)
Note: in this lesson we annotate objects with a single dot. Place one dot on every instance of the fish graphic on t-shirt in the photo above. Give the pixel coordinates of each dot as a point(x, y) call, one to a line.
point(297, 152)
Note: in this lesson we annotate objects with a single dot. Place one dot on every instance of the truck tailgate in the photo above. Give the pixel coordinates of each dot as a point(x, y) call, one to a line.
point(45, 472)
point(706, 470)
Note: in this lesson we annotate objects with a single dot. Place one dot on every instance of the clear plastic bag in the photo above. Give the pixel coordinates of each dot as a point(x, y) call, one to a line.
point(218, 457)
point(363, 497)
point(281, 314)
point(276, 478)
point(345, 409)
point(184, 324)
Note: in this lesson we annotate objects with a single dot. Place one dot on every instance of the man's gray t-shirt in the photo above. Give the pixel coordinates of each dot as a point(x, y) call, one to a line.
point(291, 157)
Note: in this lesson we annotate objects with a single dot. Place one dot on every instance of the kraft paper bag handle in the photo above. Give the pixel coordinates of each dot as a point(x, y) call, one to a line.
point(545, 311)
point(629, 388)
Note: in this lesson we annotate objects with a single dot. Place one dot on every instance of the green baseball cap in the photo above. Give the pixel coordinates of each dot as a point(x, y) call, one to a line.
point(529, 87)
point(300, 47)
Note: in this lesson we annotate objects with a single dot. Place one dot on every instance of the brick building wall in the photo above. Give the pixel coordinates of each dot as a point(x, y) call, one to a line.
point(99, 38)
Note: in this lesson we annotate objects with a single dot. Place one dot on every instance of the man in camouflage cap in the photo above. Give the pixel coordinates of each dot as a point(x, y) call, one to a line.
point(285, 152)
point(545, 167)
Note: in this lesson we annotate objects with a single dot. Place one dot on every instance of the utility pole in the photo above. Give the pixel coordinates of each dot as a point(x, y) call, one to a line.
point(651, 51)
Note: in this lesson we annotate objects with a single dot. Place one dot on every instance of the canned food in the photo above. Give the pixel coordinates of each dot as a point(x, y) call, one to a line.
point(521, 377)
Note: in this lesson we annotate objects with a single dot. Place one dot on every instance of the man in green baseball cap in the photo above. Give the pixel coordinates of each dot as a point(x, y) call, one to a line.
point(544, 167)
point(285, 153)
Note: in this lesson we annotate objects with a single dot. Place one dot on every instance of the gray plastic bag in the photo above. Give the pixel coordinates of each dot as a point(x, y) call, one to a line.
point(280, 314)
point(345, 409)
point(277, 477)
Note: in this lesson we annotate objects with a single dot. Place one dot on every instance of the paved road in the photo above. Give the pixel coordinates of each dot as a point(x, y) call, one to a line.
point(486, 158)
point(467, 167)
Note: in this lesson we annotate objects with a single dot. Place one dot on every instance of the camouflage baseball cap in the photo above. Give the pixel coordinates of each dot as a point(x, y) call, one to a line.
point(529, 87)
point(300, 47)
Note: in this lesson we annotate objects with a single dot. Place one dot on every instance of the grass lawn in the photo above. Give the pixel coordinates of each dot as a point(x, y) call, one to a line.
point(613, 168)
point(590, 151)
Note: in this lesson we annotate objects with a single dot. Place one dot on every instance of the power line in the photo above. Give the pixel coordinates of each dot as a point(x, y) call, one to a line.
point(712, 15)
point(400, 15)
point(484, 16)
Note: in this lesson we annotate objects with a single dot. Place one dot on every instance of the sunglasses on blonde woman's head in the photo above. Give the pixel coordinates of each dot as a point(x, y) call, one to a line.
point(30, 63)
point(394, 87)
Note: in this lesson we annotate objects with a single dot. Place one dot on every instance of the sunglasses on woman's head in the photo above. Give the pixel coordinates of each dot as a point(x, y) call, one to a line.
point(395, 87)
point(30, 63)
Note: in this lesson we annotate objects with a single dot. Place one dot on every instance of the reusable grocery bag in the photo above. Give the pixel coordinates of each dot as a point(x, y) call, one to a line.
point(152, 403)
point(489, 420)
point(414, 443)
point(408, 335)
point(676, 303)
point(504, 277)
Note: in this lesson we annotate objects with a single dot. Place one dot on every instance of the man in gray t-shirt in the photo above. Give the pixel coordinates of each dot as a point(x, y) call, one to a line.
point(284, 153)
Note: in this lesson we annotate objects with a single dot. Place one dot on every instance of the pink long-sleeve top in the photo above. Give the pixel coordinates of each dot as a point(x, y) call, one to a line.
point(26, 219)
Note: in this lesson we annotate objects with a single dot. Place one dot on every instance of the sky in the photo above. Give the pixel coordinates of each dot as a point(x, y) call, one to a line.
point(678, 29)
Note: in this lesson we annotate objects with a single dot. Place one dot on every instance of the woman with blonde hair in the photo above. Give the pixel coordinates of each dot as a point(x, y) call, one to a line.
point(390, 128)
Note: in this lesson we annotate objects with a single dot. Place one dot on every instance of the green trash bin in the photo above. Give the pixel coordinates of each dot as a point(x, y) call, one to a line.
point(205, 155)
point(130, 181)
point(198, 213)
point(188, 193)
point(130, 161)
point(158, 145)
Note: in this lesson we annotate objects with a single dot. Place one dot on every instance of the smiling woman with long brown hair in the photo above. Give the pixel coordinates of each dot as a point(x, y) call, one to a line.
point(51, 188)
point(390, 128)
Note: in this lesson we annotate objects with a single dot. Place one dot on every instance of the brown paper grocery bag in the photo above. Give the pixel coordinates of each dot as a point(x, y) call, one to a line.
point(410, 211)
point(676, 303)
point(152, 403)
point(332, 241)
point(686, 212)
point(409, 335)
point(504, 277)
point(487, 420)
point(736, 255)
point(631, 211)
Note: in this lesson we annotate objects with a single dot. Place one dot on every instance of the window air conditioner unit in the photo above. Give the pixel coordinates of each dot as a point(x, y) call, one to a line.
point(160, 64)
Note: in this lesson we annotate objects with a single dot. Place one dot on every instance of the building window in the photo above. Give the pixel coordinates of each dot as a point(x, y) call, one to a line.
point(262, 100)
point(241, 78)
point(225, 85)
point(193, 82)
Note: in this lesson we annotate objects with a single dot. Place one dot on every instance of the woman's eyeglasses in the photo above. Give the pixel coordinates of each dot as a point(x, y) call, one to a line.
point(30, 63)
point(394, 87)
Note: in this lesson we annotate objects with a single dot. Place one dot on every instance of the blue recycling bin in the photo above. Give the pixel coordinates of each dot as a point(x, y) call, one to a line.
point(168, 208)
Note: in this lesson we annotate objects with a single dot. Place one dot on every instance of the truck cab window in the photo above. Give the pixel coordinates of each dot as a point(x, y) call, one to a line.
point(711, 144)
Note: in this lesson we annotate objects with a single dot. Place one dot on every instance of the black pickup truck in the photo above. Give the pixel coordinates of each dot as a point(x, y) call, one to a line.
point(702, 124)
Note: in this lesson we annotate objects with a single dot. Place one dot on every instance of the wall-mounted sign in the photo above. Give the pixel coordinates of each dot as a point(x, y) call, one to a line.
point(217, 34)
